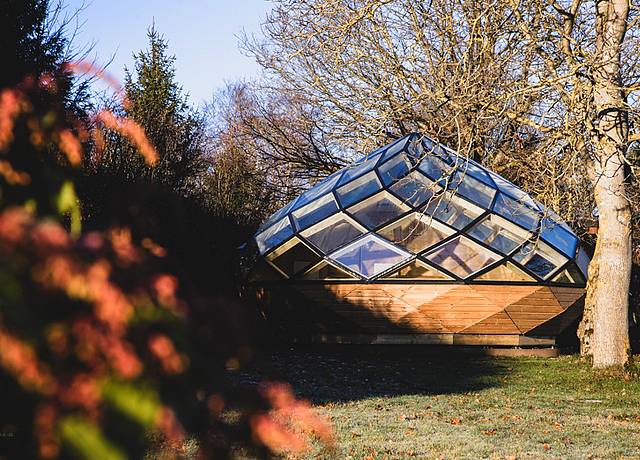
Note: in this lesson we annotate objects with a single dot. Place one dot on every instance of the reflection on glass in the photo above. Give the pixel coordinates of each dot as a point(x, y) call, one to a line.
point(553, 232)
point(462, 257)
point(369, 256)
point(395, 148)
point(416, 232)
point(453, 210)
point(319, 189)
point(516, 211)
point(334, 232)
point(512, 191)
point(539, 258)
point(465, 185)
point(378, 210)
point(292, 257)
point(394, 169)
point(278, 214)
point(358, 189)
point(415, 189)
point(326, 271)
point(417, 270)
point(435, 168)
point(274, 235)
point(359, 170)
point(314, 211)
point(499, 233)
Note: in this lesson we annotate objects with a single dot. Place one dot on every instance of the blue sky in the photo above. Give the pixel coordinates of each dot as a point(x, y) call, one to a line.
point(202, 34)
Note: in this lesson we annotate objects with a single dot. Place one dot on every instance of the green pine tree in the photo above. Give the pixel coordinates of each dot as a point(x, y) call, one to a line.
point(159, 105)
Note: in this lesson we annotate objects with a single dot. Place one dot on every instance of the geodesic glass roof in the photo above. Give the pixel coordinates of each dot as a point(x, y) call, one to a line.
point(417, 211)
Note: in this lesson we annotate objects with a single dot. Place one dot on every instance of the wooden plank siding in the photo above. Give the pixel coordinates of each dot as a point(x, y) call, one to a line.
point(444, 313)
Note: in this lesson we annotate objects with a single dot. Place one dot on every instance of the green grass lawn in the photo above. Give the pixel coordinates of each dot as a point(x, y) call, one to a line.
point(414, 402)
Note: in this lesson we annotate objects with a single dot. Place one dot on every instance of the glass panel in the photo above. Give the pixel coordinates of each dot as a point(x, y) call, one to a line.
point(334, 232)
point(415, 189)
point(505, 272)
point(315, 211)
point(432, 148)
point(319, 189)
point(325, 271)
point(370, 256)
point(274, 235)
point(539, 258)
point(292, 257)
point(359, 170)
point(416, 232)
point(570, 275)
point(563, 277)
point(453, 210)
point(462, 257)
point(514, 192)
point(471, 168)
point(378, 210)
point(262, 271)
point(554, 234)
point(394, 148)
point(277, 215)
point(463, 184)
point(417, 270)
point(358, 189)
point(435, 168)
point(394, 169)
point(582, 259)
point(499, 233)
point(516, 211)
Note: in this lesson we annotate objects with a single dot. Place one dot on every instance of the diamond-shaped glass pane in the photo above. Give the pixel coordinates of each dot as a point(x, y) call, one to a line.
point(453, 210)
point(370, 256)
point(569, 275)
point(555, 234)
point(506, 272)
point(315, 211)
point(395, 148)
point(358, 189)
point(516, 211)
point(514, 192)
point(539, 258)
point(333, 232)
point(415, 189)
point(499, 233)
point(464, 184)
point(394, 169)
point(417, 270)
point(321, 188)
point(279, 214)
point(326, 271)
point(416, 232)
point(274, 235)
point(378, 210)
point(462, 257)
point(358, 170)
point(292, 257)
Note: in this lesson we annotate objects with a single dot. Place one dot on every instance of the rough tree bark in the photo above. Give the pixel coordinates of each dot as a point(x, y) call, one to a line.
point(606, 324)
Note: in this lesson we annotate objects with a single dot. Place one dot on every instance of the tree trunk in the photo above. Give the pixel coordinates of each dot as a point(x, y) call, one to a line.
point(610, 273)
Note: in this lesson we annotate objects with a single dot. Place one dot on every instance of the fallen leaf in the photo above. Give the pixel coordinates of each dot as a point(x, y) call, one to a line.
point(456, 421)
point(546, 446)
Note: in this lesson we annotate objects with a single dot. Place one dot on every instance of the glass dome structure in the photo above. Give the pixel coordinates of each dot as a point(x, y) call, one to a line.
point(415, 211)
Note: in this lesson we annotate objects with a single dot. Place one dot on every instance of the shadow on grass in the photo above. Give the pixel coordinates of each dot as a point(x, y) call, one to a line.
point(340, 373)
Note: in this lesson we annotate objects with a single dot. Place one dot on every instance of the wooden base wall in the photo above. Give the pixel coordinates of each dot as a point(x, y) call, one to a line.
point(463, 314)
